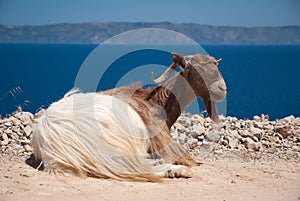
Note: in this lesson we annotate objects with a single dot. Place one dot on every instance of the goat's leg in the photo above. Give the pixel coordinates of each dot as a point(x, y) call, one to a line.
point(168, 170)
point(186, 160)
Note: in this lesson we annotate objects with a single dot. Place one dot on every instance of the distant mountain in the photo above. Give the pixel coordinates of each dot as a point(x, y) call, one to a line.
point(95, 33)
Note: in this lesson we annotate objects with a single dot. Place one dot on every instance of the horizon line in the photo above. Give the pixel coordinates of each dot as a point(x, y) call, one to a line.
point(148, 22)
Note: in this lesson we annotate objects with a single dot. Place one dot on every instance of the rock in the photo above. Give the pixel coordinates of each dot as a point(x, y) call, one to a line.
point(16, 122)
point(251, 145)
point(255, 139)
point(28, 130)
point(25, 141)
point(264, 117)
point(236, 125)
point(212, 136)
point(224, 142)
point(298, 138)
point(297, 121)
point(233, 142)
point(14, 136)
point(256, 118)
point(197, 130)
point(192, 142)
point(296, 148)
point(182, 138)
point(207, 145)
point(234, 119)
point(25, 117)
point(20, 150)
point(233, 181)
point(218, 152)
point(4, 140)
point(8, 131)
point(7, 124)
point(246, 133)
point(200, 137)
point(197, 119)
point(255, 131)
point(184, 121)
point(28, 148)
point(259, 125)
point(16, 129)
point(283, 130)
point(289, 119)
point(179, 127)
point(206, 124)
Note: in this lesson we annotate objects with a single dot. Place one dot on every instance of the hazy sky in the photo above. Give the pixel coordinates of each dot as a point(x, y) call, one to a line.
point(212, 12)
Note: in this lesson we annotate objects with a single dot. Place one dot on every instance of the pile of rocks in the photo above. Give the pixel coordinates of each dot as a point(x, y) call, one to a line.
point(197, 134)
point(15, 134)
point(200, 136)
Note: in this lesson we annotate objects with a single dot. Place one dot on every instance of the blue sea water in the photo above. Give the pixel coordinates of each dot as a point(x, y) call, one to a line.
point(260, 79)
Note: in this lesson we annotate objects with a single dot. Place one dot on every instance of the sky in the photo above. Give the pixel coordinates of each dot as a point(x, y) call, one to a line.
point(247, 13)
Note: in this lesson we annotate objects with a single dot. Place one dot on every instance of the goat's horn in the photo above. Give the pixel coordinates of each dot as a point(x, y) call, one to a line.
point(164, 76)
point(219, 60)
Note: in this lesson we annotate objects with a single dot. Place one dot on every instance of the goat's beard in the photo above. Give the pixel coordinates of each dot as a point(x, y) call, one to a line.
point(211, 109)
point(214, 112)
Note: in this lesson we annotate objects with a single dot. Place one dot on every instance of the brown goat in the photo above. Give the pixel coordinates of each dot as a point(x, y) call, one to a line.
point(199, 76)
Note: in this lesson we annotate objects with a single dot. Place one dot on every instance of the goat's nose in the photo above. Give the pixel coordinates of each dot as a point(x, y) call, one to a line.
point(222, 87)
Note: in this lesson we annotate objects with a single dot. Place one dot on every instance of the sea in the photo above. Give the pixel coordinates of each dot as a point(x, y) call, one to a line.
point(260, 79)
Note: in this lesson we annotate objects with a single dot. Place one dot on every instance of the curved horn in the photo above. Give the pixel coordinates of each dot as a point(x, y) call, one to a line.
point(164, 76)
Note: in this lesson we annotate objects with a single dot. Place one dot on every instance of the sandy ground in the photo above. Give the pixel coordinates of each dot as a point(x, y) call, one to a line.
point(216, 179)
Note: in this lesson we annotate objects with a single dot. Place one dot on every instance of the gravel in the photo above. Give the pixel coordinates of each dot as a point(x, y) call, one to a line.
point(255, 138)
point(198, 135)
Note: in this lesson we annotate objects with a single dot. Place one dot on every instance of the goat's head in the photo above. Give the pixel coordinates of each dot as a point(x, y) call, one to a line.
point(203, 75)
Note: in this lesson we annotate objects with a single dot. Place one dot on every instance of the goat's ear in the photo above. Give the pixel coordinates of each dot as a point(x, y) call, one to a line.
point(178, 59)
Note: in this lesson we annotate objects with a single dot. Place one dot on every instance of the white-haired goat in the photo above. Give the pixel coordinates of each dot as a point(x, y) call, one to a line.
point(90, 134)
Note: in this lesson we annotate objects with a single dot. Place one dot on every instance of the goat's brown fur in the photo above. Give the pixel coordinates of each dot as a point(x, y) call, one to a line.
point(161, 143)
point(173, 97)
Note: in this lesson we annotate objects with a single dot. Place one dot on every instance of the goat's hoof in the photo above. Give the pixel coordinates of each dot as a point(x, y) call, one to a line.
point(179, 172)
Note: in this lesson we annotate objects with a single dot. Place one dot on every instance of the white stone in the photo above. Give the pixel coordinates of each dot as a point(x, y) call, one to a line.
point(246, 133)
point(289, 119)
point(28, 130)
point(27, 148)
point(255, 131)
point(25, 117)
point(256, 118)
point(197, 130)
point(16, 122)
point(233, 143)
point(212, 136)
point(8, 131)
point(192, 141)
point(8, 124)
point(4, 139)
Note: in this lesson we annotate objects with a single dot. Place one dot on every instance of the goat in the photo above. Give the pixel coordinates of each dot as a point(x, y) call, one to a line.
point(198, 77)
point(123, 133)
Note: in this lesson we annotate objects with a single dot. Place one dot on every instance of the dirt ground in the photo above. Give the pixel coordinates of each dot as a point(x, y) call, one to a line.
point(216, 179)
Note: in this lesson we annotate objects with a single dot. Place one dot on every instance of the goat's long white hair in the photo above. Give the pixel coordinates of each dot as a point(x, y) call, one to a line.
point(91, 134)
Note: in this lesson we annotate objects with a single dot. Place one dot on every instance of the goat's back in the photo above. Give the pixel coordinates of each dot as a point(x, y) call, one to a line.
point(93, 134)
